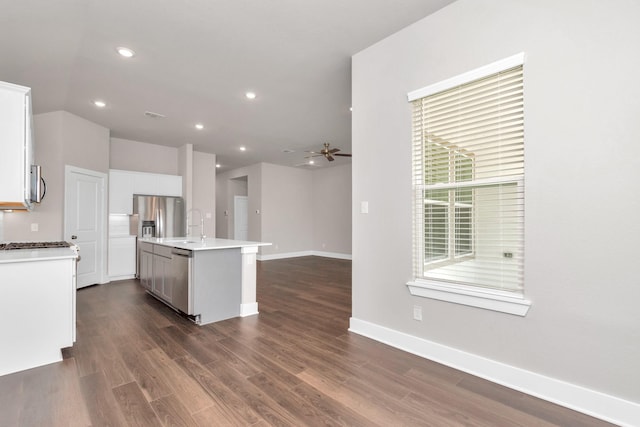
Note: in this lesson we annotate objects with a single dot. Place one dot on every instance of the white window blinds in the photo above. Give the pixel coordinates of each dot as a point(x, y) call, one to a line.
point(468, 178)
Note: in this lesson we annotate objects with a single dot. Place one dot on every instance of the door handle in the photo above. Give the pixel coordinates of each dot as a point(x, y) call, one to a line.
point(74, 237)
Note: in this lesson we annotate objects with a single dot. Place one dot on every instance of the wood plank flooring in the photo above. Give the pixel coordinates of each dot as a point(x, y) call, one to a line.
point(136, 362)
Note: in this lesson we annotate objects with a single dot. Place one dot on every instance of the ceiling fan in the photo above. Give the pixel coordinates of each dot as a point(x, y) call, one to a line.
point(328, 153)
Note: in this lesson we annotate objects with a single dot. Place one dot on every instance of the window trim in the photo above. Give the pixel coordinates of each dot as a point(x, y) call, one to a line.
point(508, 302)
point(478, 73)
point(489, 299)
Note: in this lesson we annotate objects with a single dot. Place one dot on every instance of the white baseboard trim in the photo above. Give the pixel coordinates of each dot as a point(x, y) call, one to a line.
point(116, 278)
point(248, 309)
point(303, 253)
point(590, 402)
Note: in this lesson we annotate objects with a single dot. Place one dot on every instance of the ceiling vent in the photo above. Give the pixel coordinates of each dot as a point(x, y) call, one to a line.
point(154, 115)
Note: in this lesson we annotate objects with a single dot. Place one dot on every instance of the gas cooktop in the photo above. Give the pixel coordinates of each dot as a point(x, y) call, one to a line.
point(34, 245)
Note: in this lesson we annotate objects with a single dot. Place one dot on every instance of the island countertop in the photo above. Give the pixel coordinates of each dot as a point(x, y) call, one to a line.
point(194, 243)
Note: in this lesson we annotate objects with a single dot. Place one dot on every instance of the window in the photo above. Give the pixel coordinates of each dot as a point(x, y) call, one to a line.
point(468, 181)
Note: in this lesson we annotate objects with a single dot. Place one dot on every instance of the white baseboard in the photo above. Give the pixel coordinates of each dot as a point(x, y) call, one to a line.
point(590, 402)
point(116, 278)
point(332, 255)
point(303, 253)
point(248, 309)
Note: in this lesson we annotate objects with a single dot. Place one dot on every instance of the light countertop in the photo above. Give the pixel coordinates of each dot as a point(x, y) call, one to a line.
point(194, 243)
point(29, 255)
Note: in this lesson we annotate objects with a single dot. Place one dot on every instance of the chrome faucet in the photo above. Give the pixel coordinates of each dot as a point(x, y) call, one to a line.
point(189, 226)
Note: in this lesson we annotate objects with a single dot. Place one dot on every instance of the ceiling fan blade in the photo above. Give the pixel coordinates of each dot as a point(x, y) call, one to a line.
point(343, 155)
point(329, 157)
point(334, 150)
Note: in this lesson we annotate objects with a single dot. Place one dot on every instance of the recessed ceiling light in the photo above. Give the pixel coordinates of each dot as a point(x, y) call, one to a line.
point(311, 161)
point(217, 165)
point(99, 104)
point(243, 148)
point(126, 52)
point(250, 95)
point(199, 126)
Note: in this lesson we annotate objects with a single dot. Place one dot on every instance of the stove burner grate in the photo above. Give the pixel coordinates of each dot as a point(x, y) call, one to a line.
point(34, 245)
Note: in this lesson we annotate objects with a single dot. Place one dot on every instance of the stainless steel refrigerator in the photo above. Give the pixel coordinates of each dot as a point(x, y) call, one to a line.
point(157, 216)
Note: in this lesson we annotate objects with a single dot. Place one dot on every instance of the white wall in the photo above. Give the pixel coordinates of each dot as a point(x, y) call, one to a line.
point(331, 192)
point(60, 138)
point(138, 156)
point(582, 103)
point(287, 209)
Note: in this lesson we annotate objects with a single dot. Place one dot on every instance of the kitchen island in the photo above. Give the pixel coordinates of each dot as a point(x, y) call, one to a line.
point(207, 279)
point(37, 306)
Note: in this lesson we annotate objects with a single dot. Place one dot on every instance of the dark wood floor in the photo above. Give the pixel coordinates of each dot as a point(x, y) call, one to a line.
point(136, 362)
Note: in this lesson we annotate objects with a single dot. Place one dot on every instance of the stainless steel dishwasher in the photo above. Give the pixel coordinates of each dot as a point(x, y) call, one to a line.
point(181, 272)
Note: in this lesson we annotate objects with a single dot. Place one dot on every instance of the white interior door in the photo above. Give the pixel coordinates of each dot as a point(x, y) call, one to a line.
point(84, 222)
point(241, 217)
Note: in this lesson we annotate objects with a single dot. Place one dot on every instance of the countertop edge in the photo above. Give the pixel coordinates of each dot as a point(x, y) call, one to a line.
point(207, 245)
point(25, 255)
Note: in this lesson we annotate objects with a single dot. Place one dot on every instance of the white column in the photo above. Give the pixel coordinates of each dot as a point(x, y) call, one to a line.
point(249, 305)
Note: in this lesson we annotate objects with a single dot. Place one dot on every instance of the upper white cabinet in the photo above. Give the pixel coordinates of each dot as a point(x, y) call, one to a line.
point(169, 185)
point(145, 184)
point(124, 184)
point(16, 137)
point(121, 192)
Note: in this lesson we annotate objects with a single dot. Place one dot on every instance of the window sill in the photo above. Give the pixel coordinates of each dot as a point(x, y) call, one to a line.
point(503, 302)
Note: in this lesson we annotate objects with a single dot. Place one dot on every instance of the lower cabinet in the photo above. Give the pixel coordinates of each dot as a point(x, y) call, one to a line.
point(122, 257)
point(146, 267)
point(155, 270)
point(37, 311)
point(162, 280)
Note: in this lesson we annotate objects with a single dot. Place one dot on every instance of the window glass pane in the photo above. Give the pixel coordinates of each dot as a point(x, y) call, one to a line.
point(463, 221)
point(436, 240)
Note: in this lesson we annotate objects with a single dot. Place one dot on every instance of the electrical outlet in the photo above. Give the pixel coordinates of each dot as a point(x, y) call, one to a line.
point(417, 312)
point(34, 226)
point(508, 254)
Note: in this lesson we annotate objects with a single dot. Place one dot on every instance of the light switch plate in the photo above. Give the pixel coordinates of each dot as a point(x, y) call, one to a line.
point(364, 207)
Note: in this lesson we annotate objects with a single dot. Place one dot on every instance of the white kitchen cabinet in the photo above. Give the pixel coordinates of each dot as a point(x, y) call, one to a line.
point(169, 185)
point(124, 184)
point(145, 183)
point(37, 307)
point(121, 192)
point(122, 257)
point(17, 146)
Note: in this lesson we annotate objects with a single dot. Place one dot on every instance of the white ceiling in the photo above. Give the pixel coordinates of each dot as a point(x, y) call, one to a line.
point(195, 59)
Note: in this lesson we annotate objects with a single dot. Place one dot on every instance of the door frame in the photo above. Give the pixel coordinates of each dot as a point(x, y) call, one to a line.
point(102, 221)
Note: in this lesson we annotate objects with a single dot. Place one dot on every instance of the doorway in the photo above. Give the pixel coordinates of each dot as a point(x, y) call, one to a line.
point(85, 222)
